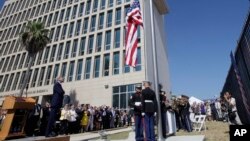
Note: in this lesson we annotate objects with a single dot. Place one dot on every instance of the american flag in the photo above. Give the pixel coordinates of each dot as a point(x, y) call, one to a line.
point(133, 21)
point(236, 71)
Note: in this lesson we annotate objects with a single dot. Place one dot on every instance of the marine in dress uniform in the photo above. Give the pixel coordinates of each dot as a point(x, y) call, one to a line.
point(135, 103)
point(149, 109)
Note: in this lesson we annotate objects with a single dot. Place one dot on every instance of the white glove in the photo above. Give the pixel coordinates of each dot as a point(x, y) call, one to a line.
point(155, 114)
point(143, 114)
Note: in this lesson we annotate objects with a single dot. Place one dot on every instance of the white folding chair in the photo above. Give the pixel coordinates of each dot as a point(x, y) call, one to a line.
point(199, 122)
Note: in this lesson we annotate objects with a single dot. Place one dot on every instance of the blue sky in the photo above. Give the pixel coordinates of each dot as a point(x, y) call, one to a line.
point(200, 36)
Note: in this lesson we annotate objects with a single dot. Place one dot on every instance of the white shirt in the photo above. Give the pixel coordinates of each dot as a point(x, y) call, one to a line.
point(233, 104)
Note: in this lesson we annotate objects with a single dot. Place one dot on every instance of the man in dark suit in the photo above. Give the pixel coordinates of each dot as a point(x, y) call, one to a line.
point(56, 104)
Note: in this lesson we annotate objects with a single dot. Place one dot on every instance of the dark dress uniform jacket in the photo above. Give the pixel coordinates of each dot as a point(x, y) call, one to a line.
point(136, 98)
point(57, 99)
point(147, 106)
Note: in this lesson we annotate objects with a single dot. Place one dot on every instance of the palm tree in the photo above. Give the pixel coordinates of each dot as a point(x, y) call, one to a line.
point(34, 39)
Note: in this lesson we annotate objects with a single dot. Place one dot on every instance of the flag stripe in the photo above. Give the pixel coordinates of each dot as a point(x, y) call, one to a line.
point(133, 20)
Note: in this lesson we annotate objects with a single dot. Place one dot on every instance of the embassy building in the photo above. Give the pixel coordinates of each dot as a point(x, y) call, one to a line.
point(86, 48)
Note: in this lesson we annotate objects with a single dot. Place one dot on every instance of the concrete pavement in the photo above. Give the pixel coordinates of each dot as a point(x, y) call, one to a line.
point(95, 136)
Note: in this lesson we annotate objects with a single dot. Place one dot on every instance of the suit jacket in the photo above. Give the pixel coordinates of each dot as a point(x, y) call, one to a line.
point(57, 98)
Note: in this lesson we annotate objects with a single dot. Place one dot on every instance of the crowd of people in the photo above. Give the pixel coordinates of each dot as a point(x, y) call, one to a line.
point(221, 109)
point(64, 118)
point(73, 119)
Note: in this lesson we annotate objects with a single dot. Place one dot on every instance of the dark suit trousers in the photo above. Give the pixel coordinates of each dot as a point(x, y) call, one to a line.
point(52, 119)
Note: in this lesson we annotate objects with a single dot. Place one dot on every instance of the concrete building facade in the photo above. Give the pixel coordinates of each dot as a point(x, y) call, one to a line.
point(86, 48)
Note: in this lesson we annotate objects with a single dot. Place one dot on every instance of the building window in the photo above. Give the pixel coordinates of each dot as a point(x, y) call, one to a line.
point(126, 11)
point(51, 34)
point(6, 64)
point(44, 20)
point(95, 5)
point(93, 21)
point(82, 46)
point(58, 29)
point(118, 16)
point(59, 53)
point(49, 19)
point(118, 2)
point(64, 2)
point(85, 25)
point(11, 63)
point(22, 61)
point(41, 77)
point(88, 6)
point(46, 55)
point(107, 40)
point(15, 81)
point(63, 70)
point(79, 69)
point(16, 62)
point(48, 75)
point(55, 73)
point(43, 8)
point(74, 12)
point(53, 5)
point(110, 3)
point(109, 19)
point(33, 82)
point(138, 59)
point(21, 80)
point(99, 42)
point(4, 83)
point(80, 13)
point(39, 59)
point(67, 14)
point(71, 71)
point(126, 68)
point(74, 49)
point(10, 82)
point(102, 6)
point(67, 50)
point(101, 21)
point(87, 68)
point(61, 16)
point(97, 67)
point(64, 31)
point(59, 4)
point(53, 53)
point(90, 44)
point(71, 28)
point(117, 38)
point(106, 61)
point(121, 95)
point(55, 18)
point(78, 27)
point(116, 61)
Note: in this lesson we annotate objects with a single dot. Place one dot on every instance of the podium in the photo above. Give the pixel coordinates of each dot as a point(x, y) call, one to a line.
point(17, 109)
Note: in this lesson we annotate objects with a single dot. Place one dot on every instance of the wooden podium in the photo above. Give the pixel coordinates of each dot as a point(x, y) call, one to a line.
point(16, 115)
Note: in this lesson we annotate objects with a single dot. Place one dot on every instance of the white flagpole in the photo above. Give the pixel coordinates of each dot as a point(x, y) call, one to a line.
point(156, 81)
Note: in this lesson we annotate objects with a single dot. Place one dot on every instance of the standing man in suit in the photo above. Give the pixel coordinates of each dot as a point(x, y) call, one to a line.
point(149, 109)
point(56, 104)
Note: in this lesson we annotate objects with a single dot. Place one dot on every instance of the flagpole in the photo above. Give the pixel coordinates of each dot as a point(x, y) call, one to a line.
point(156, 81)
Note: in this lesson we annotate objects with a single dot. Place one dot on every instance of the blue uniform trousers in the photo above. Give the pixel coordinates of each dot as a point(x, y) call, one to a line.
point(149, 127)
point(138, 128)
